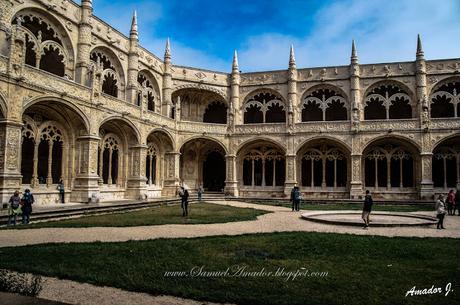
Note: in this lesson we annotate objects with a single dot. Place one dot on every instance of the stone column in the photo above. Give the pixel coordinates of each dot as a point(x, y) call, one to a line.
point(233, 109)
point(10, 152)
point(84, 42)
point(172, 173)
point(356, 186)
point(426, 184)
point(137, 188)
point(291, 179)
point(231, 184)
point(49, 178)
point(87, 180)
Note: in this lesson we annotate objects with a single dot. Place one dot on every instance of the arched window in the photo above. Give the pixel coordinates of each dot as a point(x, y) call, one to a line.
point(324, 105)
point(44, 48)
point(216, 112)
point(148, 92)
point(111, 83)
point(387, 102)
point(324, 166)
point(445, 101)
point(264, 166)
point(388, 167)
point(109, 159)
point(264, 107)
point(446, 166)
point(42, 152)
point(151, 164)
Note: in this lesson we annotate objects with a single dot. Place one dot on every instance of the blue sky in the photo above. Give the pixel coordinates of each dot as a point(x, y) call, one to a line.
point(204, 33)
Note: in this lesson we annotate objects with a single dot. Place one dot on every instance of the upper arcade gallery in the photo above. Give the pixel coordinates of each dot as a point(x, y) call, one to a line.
point(82, 103)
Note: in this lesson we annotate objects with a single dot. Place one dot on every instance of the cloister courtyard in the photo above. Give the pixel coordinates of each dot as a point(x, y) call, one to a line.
point(234, 252)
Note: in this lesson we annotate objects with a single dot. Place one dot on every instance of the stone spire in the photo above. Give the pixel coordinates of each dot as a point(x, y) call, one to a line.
point(166, 105)
point(354, 53)
point(420, 53)
point(133, 32)
point(167, 50)
point(133, 61)
point(292, 58)
point(235, 68)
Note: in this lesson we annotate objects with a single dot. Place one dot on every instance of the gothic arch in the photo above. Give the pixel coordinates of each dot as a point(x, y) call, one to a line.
point(264, 105)
point(59, 103)
point(323, 164)
point(260, 139)
point(446, 163)
point(202, 163)
point(261, 164)
point(391, 163)
point(388, 100)
point(194, 103)
point(148, 91)
point(445, 98)
point(165, 133)
point(56, 38)
point(131, 128)
point(219, 92)
point(205, 137)
point(416, 148)
point(112, 75)
point(324, 103)
point(330, 139)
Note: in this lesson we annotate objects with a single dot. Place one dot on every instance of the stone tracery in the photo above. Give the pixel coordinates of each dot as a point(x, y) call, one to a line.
point(445, 100)
point(264, 107)
point(387, 102)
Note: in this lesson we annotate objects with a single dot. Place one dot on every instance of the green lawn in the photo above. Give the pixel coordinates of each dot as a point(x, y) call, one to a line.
point(172, 214)
point(360, 269)
point(348, 206)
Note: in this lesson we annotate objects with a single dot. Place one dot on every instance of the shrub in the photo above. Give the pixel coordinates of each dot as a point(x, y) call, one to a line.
point(22, 283)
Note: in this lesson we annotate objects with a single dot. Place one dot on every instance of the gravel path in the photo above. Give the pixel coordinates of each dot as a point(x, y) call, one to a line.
point(281, 220)
point(86, 294)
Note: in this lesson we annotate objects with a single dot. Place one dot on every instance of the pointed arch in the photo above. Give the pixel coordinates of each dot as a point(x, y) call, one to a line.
point(324, 103)
point(264, 105)
point(107, 64)
point(47, 40)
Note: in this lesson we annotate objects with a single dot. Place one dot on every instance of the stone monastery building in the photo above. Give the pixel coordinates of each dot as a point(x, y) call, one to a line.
point(81, 102)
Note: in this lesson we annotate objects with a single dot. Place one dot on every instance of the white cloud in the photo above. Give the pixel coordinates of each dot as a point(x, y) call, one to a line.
point(384, 30)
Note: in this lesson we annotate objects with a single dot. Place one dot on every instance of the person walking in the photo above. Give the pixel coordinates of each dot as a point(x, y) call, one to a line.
point(27, 201)
point(450, 202)
point(457, 202)
point(183, 193)
point(61, 190)
point(367, 208)
point(15, 208)
point(200, 193)
point(440, 211)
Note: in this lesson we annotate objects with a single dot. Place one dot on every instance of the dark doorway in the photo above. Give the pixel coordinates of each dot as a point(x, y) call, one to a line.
point(214, 172)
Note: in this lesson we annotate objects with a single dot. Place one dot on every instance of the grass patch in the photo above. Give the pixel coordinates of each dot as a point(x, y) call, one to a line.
point(199, 213)
point(361, 269)
point(347, 206)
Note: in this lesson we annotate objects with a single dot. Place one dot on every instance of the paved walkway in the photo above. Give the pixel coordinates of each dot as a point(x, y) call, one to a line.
point(281, 220)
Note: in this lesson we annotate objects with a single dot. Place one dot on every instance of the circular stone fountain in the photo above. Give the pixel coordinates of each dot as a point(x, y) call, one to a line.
point(378, 219)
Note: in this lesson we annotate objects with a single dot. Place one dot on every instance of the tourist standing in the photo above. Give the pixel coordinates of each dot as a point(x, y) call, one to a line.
point(27, 201)
point(440, 211)
point(61, 191)
point(183, 193)
point(295, 198)
point(450, 202)
point(367, 208)
point(200, 193)
point(457, 202)
point(15, 208)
